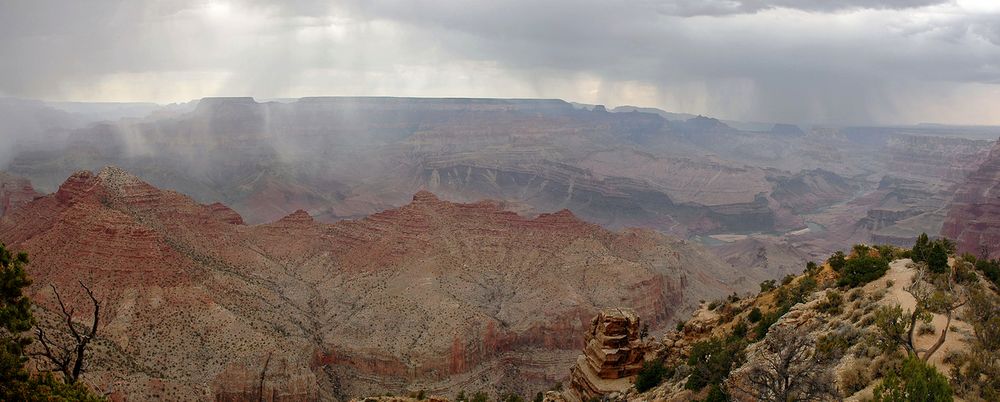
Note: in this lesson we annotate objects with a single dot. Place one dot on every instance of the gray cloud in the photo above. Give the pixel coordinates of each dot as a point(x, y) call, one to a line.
point(848, 61)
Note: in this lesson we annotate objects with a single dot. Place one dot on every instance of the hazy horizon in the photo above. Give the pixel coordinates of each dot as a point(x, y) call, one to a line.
point(828, 62)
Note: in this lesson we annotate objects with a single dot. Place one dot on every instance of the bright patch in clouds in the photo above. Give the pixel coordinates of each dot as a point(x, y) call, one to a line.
point(845, 61)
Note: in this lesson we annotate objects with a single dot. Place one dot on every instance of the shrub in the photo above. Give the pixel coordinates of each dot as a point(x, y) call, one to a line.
point(990, 269)
point(755, 315)
point(740, 330)
point(833, 304)
point(965, 272)
point(717, 394)
point(861, 270)
point(831, 346)
point(891, 327)
point(855, 294)
point(767, 286)
point(652, 374)
point(787, 279)
point(713, 305)
point(917, 381)
point(926, 329)
point(766, 322)
point(837, 261)
point(479, 396)
point(712, 360)
point(680, 326)
point(855, 377)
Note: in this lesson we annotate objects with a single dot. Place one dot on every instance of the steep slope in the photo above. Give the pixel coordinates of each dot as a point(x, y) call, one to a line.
point(974, 215)
point(433, 295)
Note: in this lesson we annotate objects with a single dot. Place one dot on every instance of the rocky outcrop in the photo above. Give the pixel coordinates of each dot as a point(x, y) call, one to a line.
point(973, 219)
point(14, 192)
point(612, 356)
point(434, 295)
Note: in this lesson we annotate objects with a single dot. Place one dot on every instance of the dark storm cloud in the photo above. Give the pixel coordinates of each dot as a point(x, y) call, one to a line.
point(812, 60)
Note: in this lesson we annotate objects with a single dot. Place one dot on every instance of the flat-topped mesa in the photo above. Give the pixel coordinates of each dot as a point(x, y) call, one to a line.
point(614, 353)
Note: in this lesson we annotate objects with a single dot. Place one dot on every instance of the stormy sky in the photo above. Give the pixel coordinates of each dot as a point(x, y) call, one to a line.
point(820, 61)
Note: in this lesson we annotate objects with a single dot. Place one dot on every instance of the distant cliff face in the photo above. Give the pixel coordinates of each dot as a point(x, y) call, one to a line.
point(349, 157)
point(974, 215)
point(14, 192)
point(435, 294)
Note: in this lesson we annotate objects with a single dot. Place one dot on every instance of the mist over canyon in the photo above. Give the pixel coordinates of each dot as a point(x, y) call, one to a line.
point(391, 244)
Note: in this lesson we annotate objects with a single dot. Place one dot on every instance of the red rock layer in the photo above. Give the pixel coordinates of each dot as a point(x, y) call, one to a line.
point(434, 293)
point(974, 215)
point(15, 192)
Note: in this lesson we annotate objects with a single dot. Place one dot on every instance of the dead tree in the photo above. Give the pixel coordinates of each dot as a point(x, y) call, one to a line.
point(786, 368)
point(67, 357)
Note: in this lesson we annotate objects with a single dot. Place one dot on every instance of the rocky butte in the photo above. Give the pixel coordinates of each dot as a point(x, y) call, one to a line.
point(433, 295)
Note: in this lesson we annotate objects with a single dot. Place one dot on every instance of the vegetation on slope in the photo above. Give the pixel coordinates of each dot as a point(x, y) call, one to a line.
point(832, 333)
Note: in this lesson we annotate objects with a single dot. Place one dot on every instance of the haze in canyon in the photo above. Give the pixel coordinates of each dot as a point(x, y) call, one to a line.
point(327, 200)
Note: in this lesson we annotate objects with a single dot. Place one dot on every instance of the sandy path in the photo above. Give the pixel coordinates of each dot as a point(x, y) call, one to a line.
point(902, 277)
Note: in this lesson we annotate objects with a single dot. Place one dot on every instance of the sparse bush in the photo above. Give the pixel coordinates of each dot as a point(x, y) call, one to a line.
point(890, 283)
point(855, 294)
point(833, 303)
point(755, 315)
point(740, 330)
point(831, 347)
point(713, 305)
point(787, 279)
point(965, 272)
point(479, 396)
point(855, 377)
point(767, 286)
point(926, 329)
point(680, 326)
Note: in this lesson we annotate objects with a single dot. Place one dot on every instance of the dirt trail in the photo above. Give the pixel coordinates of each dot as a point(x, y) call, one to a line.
point(901, 274)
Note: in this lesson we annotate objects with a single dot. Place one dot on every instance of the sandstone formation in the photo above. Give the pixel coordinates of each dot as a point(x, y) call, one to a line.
point(434, 295)
point(613, 354)
point(15, 192)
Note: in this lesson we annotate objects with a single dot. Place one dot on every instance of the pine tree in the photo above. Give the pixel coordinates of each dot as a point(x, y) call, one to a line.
point(920, 248)
point(937, 258)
